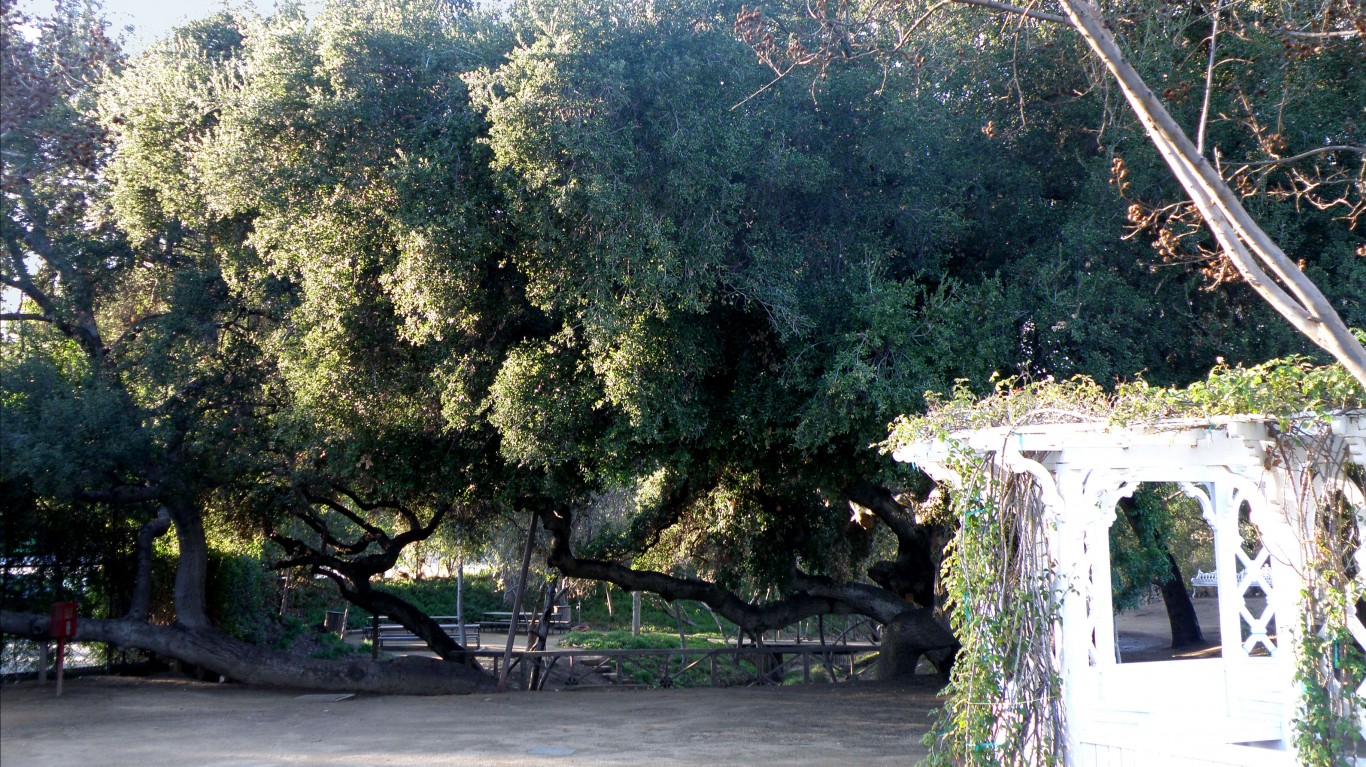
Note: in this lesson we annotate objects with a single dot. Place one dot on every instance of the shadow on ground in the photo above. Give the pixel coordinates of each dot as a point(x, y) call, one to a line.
point(121, 721)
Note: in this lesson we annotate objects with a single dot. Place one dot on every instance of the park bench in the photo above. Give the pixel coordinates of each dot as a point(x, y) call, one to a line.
point(1204, 580)
point(1210, 581)
point(395, 635)
point(502, 621)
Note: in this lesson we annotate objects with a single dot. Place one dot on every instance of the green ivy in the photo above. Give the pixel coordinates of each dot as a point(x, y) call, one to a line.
point(1330, 669)
point(1003, 705)
point(1288, 388)
point(1002, 700)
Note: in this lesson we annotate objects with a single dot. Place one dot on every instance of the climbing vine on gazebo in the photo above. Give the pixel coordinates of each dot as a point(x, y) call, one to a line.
point(1003, 703)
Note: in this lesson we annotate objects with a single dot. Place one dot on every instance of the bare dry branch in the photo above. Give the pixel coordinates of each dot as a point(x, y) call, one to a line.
point(1298, 157)
point(1008, 8)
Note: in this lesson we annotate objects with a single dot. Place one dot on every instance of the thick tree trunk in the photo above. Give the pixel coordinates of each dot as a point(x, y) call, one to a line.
point(192, 567)
point(142, 583)
point(251, 664)
point(901, 651)
point(909, 631)
point(1181, 615)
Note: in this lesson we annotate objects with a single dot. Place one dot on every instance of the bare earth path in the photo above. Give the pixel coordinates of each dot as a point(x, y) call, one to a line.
point(131, 722)
point(120, 722)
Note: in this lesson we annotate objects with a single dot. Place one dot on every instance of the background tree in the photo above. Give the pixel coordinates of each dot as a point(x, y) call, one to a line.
point(405, 267)
point(139, 379)
point(1274, 38)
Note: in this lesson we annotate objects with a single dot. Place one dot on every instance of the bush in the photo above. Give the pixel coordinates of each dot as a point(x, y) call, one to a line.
point(618, 640)
point(437, 596)
point(241, 596)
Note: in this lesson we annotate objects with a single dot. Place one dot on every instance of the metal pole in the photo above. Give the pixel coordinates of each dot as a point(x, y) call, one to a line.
point(517, 603)
point(635, 613)
point(460, 587)
point(374, 636)
point(61, 657)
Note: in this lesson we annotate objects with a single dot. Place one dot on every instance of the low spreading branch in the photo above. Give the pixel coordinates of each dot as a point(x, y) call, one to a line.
point(812, 595)
point(353, 566)
point(233, 659)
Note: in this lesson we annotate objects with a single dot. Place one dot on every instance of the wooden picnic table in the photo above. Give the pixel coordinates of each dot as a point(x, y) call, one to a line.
point(497, 620)
point(389, 634)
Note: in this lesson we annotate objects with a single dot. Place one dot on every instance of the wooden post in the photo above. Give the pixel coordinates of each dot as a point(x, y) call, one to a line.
point(517, 603)
point(713, 670)
point(536, 640)
point(635, 613)
point(42, 662)
point(61, 661)
point(682, 638)
point(806, 667)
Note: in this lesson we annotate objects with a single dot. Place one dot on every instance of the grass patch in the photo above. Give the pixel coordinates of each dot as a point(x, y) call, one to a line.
point(618, 640)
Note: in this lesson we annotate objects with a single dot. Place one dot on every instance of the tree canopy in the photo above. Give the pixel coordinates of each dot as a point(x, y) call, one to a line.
point(341, 282)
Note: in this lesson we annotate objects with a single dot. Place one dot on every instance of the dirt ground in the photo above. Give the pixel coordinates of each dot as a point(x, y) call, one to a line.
point(117, 722)
point(1144, 634)
point(120, 722)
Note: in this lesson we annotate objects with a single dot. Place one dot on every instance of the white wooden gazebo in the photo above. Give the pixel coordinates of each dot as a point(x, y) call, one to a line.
point(1236, 709)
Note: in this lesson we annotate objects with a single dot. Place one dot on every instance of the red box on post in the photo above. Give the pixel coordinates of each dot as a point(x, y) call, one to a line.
point(63, 622)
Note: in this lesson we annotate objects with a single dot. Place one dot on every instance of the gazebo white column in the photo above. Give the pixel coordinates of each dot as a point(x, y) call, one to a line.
point(1232, 710)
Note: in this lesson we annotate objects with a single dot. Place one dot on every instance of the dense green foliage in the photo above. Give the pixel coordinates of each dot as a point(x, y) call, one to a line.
point(408, 267)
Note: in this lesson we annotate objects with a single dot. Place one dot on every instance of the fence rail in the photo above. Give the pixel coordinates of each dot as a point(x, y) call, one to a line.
point(715, 666)
point(28, 658)
point(746, 665)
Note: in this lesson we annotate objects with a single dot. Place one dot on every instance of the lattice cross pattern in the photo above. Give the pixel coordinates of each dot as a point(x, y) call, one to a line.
point(1256, 572)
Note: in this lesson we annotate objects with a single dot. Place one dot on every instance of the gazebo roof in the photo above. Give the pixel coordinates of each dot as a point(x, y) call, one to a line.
point(1185, 443)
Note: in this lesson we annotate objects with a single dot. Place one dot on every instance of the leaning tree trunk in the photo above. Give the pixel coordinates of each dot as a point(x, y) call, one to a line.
point(252, 664)
point(1181, 615)
point(359, 592)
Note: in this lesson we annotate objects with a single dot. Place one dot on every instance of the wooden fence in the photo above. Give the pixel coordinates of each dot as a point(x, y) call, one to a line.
point(693, 666)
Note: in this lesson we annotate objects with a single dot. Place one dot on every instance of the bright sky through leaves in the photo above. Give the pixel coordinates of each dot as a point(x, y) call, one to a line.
point(150, 19)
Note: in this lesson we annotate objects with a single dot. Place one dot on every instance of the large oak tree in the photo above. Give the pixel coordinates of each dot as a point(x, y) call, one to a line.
point(350, 279)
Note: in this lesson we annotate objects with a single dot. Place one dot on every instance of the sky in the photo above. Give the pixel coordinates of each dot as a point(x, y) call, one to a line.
point(150, 19)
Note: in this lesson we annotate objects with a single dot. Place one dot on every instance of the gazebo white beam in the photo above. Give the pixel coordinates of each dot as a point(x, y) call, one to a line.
point(1083, 468)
